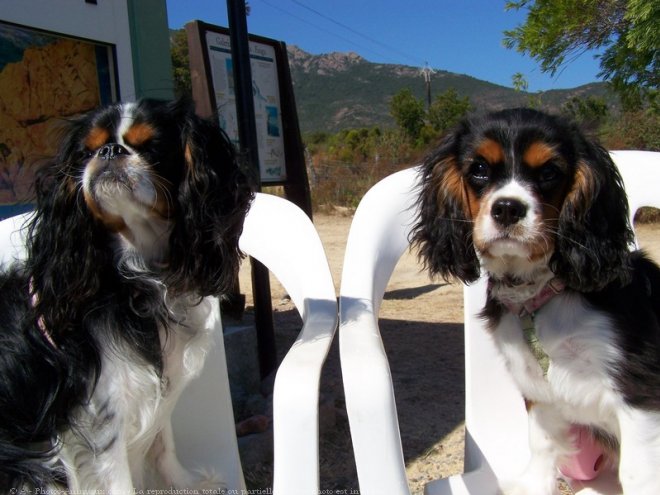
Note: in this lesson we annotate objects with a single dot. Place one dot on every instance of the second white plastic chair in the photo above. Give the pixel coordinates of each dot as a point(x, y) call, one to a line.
point(496, 444)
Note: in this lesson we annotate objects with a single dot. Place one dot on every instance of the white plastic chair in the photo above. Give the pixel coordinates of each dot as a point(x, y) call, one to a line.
point(496, 444)
point(282, 237)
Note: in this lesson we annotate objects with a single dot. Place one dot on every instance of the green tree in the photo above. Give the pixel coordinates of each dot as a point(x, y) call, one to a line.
point(626, 31)
point(447, 109)
point(521, 85)
point(408, 113)
point(590, 112)
point(180, 60)
point(519, 82)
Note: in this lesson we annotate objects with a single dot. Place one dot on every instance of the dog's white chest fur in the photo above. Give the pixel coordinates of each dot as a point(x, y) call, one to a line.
point(128, 417)
point(580, 344)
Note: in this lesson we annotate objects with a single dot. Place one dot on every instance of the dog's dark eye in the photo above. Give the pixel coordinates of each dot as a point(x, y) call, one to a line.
point(549, 174)
point(479, 172)
point(86, 153)
point(548, 177)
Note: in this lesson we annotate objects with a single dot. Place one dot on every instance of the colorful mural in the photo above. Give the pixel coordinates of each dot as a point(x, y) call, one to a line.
point(44, 79)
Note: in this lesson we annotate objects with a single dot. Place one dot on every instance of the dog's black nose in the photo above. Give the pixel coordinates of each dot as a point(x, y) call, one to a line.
point(111, 151)
point(508, 211)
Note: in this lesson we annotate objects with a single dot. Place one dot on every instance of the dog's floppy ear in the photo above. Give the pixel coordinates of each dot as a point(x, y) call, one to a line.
point(443, 229)
point(212, 202)
point(594, 238)
point(67, 252)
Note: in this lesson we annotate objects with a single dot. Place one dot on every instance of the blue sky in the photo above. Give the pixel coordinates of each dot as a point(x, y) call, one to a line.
point(462, 36)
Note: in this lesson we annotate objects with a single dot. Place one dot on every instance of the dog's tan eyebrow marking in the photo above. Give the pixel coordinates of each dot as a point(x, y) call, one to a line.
point(97, 137)
point(491, 151)
point(139, 134)
point(539, 153)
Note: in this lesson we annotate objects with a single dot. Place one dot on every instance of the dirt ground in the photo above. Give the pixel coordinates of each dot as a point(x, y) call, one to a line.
point(421, 326)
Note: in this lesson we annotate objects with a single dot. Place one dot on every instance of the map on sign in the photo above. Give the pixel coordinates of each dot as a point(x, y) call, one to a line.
point(265, 89)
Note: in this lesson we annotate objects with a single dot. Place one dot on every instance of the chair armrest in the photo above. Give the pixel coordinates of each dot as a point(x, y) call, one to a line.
point(377, 239)
point(203, 419)
point(282, 237)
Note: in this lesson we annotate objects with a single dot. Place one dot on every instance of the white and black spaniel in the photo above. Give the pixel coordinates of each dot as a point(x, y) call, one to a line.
point(524, 197)
point(136, 228)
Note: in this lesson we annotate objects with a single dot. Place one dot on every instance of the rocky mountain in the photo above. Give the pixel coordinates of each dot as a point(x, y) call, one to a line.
point(343, 90)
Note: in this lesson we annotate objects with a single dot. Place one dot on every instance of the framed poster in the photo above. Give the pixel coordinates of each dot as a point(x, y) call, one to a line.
point(281, 151)
point(45, 79)
point(266, 91)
